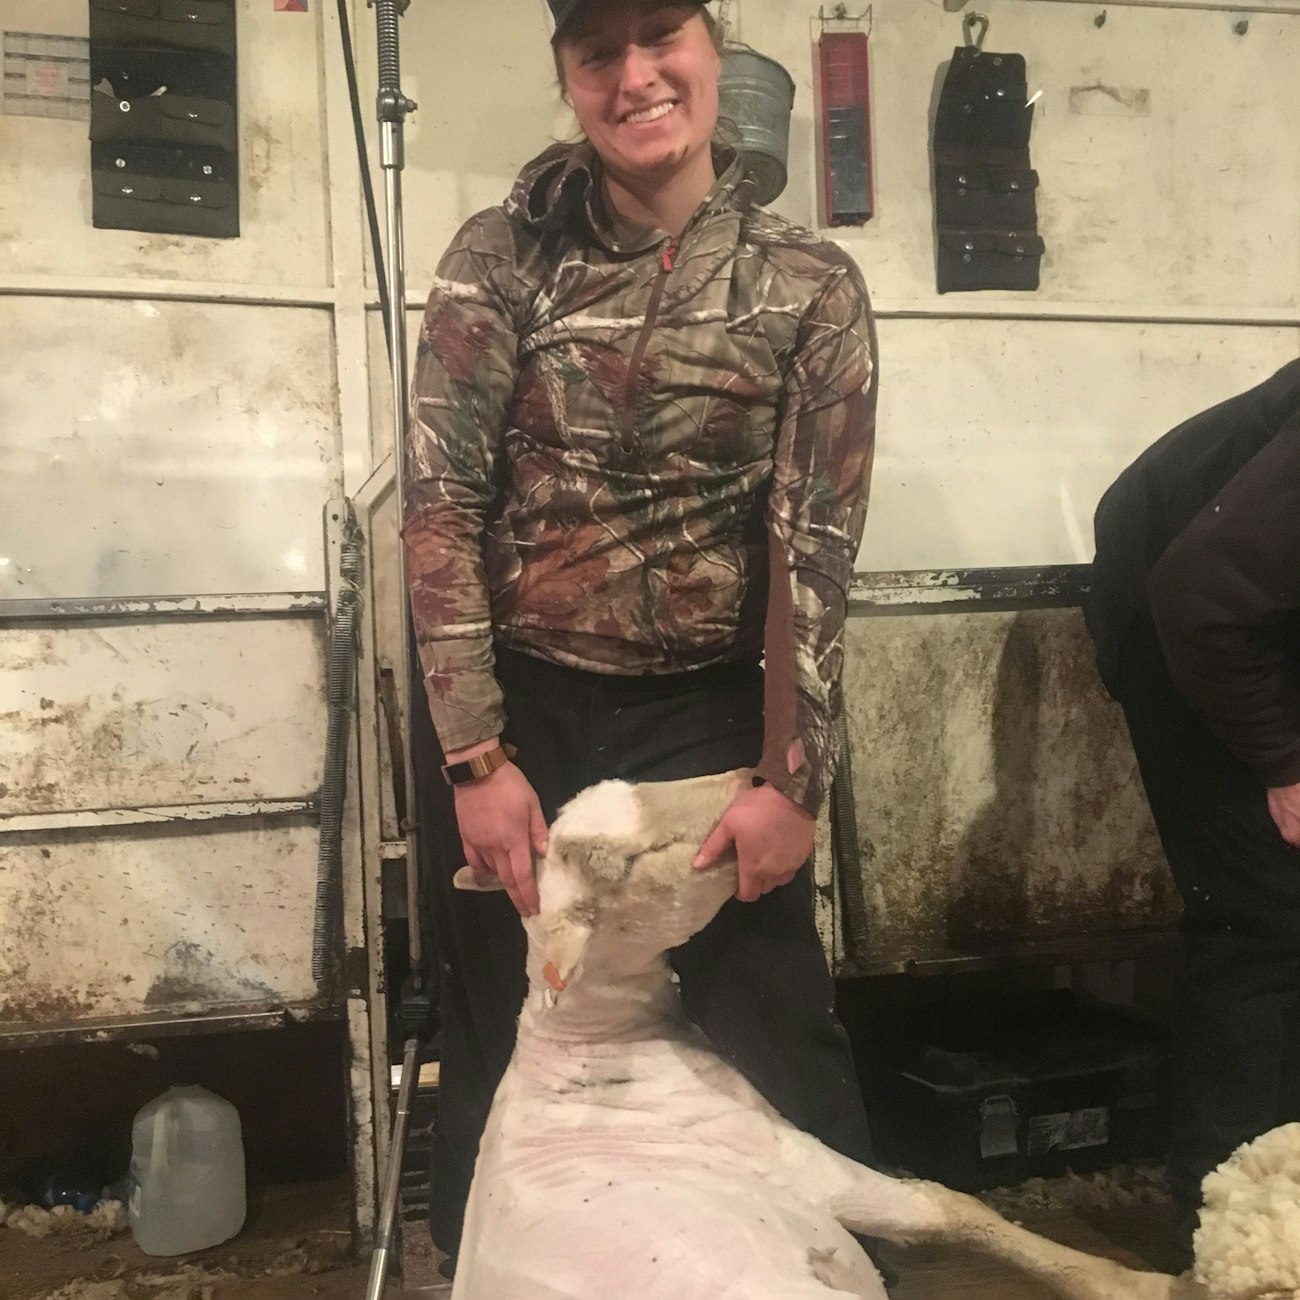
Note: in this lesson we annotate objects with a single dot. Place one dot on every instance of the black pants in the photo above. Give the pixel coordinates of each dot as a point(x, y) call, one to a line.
point(755, 979)
point(1237, 1040)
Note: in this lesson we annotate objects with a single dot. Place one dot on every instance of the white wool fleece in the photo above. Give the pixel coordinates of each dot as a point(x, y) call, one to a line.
point(1248, 1244)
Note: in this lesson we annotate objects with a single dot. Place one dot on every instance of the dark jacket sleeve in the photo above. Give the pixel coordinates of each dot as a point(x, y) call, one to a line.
point(1226, 601)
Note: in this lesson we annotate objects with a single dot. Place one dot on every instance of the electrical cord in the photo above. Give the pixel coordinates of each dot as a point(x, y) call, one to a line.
point(363, 157)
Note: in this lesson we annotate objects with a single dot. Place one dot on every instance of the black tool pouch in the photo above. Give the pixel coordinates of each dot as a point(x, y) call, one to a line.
point(164, 125)
point(183, 191)
point(985, 191)
point(990, 195)
point(982, 259)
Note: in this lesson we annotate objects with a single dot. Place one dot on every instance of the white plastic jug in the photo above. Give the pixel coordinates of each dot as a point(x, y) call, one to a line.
point(187, 1173)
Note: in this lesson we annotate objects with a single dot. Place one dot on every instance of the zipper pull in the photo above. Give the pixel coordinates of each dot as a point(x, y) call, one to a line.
point(666, 257)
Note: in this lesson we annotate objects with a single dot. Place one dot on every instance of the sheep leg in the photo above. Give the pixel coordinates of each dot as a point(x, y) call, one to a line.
point(908, 1211)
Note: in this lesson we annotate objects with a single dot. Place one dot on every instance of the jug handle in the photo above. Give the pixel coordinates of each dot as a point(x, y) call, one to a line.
point(158, 1155)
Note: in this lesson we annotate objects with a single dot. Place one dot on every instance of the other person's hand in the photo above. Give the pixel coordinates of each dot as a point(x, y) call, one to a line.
point(501, 827)
point(1284, 804)
point(773, 837)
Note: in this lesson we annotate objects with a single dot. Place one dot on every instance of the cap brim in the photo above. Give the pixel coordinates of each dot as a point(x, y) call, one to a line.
point(562, 11)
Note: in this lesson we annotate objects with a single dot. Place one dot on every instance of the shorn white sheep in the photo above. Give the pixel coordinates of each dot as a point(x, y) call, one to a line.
point(624, 1160)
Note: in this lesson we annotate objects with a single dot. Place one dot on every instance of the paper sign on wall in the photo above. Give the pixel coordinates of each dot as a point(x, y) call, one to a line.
point(45, 76)
point(291, 6)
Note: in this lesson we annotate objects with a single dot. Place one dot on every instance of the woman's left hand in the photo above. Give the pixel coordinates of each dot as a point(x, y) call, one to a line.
point(773, 838)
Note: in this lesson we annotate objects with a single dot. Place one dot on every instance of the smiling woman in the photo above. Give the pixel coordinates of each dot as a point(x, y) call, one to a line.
point(641, 430)
point(642, 78)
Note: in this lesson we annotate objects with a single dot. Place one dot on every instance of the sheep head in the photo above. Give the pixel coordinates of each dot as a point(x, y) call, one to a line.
point(616, 884)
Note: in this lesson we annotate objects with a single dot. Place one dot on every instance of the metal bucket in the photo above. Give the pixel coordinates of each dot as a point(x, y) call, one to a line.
point(757, 95)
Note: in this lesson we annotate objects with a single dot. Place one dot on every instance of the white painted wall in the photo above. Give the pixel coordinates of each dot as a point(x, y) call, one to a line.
point(1172, 277)
point(45, 200)
point(193, 444)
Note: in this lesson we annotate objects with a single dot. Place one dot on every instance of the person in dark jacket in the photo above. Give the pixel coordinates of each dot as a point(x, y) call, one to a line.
point(1195, 611)
point(641, 435)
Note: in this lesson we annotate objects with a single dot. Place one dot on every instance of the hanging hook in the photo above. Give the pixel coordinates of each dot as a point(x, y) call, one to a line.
point(840, 14)
point(969, 23)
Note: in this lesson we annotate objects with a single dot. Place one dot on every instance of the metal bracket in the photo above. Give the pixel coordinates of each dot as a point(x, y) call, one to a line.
point(969, 23)
point(840, 14)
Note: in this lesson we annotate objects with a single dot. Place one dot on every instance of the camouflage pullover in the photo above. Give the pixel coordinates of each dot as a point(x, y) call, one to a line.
point(637, 455)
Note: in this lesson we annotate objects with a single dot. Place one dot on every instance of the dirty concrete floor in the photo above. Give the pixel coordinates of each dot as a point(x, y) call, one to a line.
point(1135, 1236)
point(295, 1244)
point(295, 1247)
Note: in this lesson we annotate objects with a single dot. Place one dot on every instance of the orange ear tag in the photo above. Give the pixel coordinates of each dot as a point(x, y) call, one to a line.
point(553, 977)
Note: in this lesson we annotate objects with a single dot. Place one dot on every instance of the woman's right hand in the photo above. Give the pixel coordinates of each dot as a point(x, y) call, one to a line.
point(501, 827)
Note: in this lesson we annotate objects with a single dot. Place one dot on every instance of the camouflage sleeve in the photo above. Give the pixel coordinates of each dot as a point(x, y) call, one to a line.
point(818, 506)
point(464, 378)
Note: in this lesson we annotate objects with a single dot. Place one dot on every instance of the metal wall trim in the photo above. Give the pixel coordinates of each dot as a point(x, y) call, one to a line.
point(1013, 587)
point(151, 609)
point(17, 1035)
point(1067, 950)
point(1086, 312)
point(135, 289)
point(101, 819)
point(1094, 313)
point(1264, 9)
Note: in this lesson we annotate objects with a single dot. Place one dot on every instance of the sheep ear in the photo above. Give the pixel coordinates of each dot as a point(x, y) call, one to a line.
point(468, 878)
point(565, 944)
point(605, 858)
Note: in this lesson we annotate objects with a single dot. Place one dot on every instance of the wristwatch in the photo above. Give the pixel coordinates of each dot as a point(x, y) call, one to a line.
point(481, 765)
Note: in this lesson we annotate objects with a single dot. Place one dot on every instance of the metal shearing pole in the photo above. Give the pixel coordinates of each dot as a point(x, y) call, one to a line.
point(392, 106)
point(384, 1237)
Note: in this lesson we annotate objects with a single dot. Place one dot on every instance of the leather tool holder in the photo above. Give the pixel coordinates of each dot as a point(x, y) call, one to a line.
point(985, 191)
point(164, 124)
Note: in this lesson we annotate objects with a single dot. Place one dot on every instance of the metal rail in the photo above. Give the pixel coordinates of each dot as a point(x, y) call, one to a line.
point(151, 609)
point(101, 819)
point(384, 1235)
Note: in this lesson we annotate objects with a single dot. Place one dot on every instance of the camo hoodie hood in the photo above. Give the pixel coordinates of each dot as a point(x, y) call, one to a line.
point(632, 454)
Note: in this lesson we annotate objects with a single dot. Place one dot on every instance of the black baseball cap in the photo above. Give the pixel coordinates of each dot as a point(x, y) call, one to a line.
point(563, 10)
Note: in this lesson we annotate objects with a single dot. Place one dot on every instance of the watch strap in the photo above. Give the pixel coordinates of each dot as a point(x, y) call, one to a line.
point(481, 765)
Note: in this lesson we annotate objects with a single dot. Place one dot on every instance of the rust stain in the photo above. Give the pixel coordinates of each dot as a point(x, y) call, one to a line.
point(260, 154)
point(45, 1006)
point(63, 755)
point(40, 651)
point(998, 795)
point(31, 927)
point(73, 753)
point(193, 974)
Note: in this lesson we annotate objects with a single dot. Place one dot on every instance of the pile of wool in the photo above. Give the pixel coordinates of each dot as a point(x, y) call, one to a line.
point(81, 1289)
point(106, 1220)
point(1248, 1244)
point(185, 1282)
point(1108, 1189)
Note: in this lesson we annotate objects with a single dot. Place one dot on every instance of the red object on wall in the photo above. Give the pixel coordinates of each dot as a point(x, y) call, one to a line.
point(844, 152)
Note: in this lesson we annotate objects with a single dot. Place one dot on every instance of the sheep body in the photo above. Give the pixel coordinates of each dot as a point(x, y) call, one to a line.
point(623, 1157)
